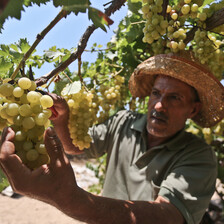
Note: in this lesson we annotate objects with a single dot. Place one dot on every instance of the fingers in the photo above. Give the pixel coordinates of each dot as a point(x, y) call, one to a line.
point(7, 146)
point(60, 109)
point(54, 148)
point(9, 161)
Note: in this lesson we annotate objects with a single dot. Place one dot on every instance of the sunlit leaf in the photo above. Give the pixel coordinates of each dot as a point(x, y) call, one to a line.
point(72, 88)
point(99, 18)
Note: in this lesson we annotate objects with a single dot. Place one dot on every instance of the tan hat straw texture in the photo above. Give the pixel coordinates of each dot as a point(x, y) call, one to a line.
point(186, 68)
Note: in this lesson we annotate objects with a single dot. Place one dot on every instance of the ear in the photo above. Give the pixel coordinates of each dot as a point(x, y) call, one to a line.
point(195, 109)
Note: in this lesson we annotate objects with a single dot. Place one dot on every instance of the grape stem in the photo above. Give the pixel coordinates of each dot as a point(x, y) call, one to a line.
point(115, 5)
point(39, 37)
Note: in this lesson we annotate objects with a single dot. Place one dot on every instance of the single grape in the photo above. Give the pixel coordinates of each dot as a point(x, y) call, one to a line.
point(18, 92)
point(33, 86)
point(33, 97)
point(12, 109)
point(6, 89)
point(28, 122)
point(32, 155)
point(46, 101)
point(40, 147)
point(20, 135)
point(27, 145)
point(41, 119)
point(25, 110)
point(24, 83)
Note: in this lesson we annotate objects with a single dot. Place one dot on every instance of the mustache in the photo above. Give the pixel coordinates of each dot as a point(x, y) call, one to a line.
point(159, 115)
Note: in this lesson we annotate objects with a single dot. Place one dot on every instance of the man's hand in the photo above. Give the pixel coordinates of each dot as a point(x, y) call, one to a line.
point(52, 183)
point(61, 110)
point(60, 122)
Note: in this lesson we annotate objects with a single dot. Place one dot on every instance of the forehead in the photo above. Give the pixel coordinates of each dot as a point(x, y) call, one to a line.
point(166, 83)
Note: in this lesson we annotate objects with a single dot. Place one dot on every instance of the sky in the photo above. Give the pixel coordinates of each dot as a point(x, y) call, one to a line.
point(66, 34)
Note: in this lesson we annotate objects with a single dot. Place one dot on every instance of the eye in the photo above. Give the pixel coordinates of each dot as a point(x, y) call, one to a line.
point(155, 93)
point(175, 97)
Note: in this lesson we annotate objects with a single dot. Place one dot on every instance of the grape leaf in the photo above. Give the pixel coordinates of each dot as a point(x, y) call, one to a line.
point(72, 88)
point(53, 54)
point(75, 6)
point(4, 65)
point(99, 18)
point(14, 8)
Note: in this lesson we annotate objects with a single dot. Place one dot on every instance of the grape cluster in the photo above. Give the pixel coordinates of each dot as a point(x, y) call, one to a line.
point(88, 107)
point(167, 32)
point(110, 96)
point(26, 111)
point(83, 109)
point(207, 50)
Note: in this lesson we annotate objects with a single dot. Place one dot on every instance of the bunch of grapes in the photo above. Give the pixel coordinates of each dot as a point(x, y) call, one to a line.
point(83, 108)
point(166, 30)
point(156, 25)
point(207, 50)
point(110, 96)
point(27, 112)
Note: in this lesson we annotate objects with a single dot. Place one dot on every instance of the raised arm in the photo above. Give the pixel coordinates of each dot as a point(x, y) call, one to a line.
point(55, 184)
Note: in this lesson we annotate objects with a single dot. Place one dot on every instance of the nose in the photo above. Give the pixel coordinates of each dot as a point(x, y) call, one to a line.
point(160, 104)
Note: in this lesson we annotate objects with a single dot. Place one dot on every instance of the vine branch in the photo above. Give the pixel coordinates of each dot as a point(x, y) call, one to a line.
point(115, 5)
point(39, 37)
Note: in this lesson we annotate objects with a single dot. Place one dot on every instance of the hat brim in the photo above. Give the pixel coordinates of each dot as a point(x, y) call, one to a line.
point(210, 90)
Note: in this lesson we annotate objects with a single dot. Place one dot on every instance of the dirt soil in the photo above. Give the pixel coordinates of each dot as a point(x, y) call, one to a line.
point(24, 210)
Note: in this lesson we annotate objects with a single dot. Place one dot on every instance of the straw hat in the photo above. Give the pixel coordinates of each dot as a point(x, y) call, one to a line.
point(187, 69)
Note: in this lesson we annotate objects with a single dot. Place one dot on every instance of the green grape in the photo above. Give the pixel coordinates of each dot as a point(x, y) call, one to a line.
point(33, 86)
point(33, 97)
point(20, 135)
point(12, 109)
point(25, 110)
point(40, 147)
point(24, 83)
point(41, 119)
point(46, 101)
point(36, 108)
point(18, 92)
point(174, 16)
point(194, 8)
point(6, 89)
point(23, 99)
point(27, 145)
point(17, 120)
point(47, 112)
point(185, 9)
point(28, 123)
point(202, 16)
point(32, 155)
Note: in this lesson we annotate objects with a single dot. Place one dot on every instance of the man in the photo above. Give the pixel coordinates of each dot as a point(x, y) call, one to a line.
point(156, 172)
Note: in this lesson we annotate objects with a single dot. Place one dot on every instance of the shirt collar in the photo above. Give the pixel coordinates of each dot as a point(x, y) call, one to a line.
point(140, 124)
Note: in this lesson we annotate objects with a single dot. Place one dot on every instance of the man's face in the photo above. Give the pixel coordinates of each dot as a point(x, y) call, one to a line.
point(171, 102)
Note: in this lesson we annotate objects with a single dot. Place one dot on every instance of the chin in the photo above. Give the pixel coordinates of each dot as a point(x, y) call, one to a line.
point(158, 132)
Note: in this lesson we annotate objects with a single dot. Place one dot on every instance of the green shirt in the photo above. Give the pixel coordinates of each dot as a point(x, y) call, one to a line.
point(182, 170)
